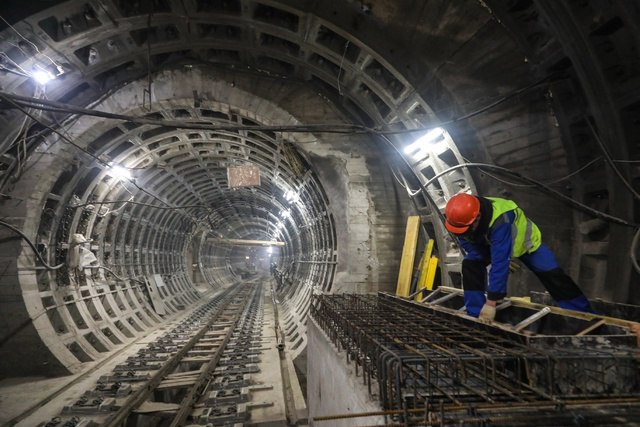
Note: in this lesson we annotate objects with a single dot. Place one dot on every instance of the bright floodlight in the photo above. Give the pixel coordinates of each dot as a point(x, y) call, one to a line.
point(285, 213)
point(291, 196)
point(120, 172)
point(419, 148)
point(42, 76)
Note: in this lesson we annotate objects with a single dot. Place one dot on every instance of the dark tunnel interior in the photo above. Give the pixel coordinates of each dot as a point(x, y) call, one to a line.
point(141, 141)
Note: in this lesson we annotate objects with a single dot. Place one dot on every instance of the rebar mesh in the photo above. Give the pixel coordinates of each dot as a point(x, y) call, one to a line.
point(415, 358)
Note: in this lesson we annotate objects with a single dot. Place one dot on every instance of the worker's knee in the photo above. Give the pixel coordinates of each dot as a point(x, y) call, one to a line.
point(542, 259)
point(559, 284)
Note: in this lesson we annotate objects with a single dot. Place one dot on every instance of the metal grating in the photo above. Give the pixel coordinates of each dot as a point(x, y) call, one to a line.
point(436, 368)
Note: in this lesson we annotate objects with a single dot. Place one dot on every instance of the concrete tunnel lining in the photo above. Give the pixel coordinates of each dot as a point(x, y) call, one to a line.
point(310, 211)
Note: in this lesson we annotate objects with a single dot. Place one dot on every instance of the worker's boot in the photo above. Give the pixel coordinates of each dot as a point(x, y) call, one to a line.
point(579, 303)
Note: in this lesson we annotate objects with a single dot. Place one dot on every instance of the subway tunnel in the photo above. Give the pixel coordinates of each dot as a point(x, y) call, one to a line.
point(145, 144)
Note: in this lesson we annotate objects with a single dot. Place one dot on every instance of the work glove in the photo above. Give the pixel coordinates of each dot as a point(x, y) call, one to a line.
point(514, 266)
point(487, 314)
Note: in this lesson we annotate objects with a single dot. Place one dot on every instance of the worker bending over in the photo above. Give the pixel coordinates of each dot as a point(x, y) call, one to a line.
point(491, 231)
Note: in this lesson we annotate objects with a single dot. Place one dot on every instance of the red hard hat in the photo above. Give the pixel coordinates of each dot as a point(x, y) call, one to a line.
point(460, 212)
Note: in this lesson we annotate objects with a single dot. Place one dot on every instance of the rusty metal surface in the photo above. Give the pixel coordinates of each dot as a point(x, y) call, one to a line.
point(243, 176)
point(415, 358)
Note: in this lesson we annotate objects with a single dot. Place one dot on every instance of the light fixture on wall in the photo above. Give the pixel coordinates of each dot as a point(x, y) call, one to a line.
point(286, 213)
point(433, 141)
point(42, 77)
point(291, 196)
point(119, 172)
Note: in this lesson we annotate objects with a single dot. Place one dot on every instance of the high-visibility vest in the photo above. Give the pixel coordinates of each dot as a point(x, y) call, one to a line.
point(525, 234)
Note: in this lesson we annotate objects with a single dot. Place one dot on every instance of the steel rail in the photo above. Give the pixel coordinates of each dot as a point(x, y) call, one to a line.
point(186, 406)
point(142, 393)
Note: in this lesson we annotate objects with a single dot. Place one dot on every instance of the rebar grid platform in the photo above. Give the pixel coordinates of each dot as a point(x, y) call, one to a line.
point(433, 367)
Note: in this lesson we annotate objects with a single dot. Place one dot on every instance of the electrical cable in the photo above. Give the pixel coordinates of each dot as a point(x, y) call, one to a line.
point(344, 53)
point(477, 112)
point(610, 161)
point(555, 181)
point(633, 250)
point(32, 245)
point(122, 279)
point(410, 192)
point(509, 183)
point(423, 188)
point(68, 140)
point(112, 202)
point(66, 108)
point(9, 70)
point(580, 206)
point(26, 112)
point(574, 172)
point(326, 128)
point(26, 73)
point(542, 187)
point(636, 237)
point(31, 43)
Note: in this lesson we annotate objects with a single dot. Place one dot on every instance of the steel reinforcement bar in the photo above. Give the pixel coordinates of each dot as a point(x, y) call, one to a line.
point(419, 360)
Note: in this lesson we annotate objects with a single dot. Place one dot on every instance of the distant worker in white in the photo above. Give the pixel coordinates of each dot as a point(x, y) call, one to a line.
point(492, 231)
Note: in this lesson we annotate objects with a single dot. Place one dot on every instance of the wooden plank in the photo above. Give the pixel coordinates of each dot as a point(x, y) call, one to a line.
point(182, 383)
point(591, 328)
point(151, 407)
point(424, 268)
point(408, 256)
point(431, 273)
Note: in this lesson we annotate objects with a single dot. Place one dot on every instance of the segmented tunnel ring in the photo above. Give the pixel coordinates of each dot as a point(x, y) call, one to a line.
point(103, 46)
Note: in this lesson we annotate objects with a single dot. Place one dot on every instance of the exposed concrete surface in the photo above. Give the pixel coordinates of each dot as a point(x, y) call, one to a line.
point(332, 387)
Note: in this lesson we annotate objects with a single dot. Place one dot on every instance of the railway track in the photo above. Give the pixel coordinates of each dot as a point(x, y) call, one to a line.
point(198, 373)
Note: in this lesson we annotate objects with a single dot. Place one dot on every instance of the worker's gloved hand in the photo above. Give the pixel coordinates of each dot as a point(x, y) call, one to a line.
point(514, 266)
point(488, 313)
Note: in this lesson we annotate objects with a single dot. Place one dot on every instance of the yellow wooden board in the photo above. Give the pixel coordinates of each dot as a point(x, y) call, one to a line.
point(431, 273)
point(408, 256)
point(423, 269)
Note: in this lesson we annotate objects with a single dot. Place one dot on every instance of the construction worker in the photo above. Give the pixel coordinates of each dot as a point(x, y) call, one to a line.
point(492, 231)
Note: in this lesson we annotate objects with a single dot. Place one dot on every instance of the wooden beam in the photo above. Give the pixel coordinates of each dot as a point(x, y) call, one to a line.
point(403, 287)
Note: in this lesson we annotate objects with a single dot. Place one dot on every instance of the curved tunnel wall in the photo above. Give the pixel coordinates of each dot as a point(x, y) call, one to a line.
point(323, 62)
point(179, 192)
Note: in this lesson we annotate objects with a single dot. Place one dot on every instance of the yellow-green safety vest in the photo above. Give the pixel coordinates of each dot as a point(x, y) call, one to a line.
point(525, 234)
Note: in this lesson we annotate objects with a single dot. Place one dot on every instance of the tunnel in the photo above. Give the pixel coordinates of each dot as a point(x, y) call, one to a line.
point(157, 152)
